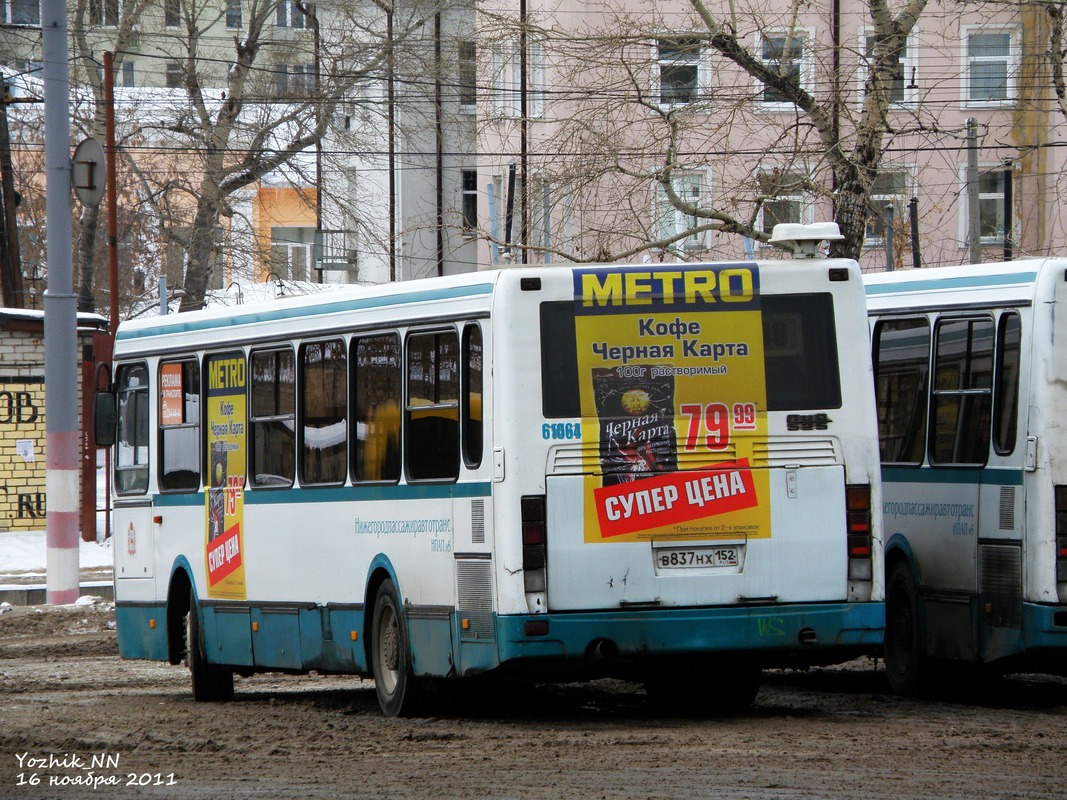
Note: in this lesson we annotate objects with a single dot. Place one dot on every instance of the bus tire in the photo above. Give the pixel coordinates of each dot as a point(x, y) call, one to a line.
point(906, 663)
point(394, 680)
point(211, 682)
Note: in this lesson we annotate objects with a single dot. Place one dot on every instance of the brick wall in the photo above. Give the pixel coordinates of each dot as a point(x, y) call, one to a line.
point(22, 422)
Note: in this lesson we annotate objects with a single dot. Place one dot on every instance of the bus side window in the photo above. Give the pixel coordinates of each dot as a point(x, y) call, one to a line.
point(962, 391)
point(376, 396)
point(432, 415)
point(323, 408)
point(131, 449)
point(1006, 398)
point(901, 379)
point(472, 396)
point(179, 426)
point(272, 423)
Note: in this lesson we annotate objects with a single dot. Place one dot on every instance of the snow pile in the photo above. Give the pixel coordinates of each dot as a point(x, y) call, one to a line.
point(25, 553)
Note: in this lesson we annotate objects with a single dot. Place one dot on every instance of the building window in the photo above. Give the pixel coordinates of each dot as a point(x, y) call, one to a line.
point(890, 189)
point(508, 80)
point(470, 199)
point(104, 13)
point(290, 253)
point(903, 83)
point(271, 422)
point(376, 395)
point(20, 12)
point(128, 76)
point(990, 60)
point(678, 65)
point(179, 426)
point(990, 205)
point(467, 75)
point(786, 56)
point(432, 412)
point(290, 15)
point(234, 19)
point(677, 225)
point(175, 78)
point(784, 198)
point(294, 80)
point(172, 16)
point(323, 406)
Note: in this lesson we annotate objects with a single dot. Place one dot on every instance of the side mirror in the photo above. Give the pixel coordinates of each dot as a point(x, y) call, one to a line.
point(105, 419)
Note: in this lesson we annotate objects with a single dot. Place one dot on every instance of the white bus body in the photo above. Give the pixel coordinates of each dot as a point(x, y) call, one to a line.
point(969, 367)
point(646, 467)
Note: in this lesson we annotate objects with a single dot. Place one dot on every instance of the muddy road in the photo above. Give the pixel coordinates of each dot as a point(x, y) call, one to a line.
point(77, 722)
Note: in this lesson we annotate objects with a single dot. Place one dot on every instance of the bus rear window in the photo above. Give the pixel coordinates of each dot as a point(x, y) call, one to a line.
point(800, 355)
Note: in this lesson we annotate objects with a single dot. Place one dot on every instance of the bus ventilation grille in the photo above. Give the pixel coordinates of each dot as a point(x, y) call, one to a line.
point(1001, 577)
point(1007, 508)
point(475, 585)
point(478, 521)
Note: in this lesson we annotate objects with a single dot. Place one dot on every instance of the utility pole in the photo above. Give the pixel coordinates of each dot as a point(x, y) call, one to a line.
point(60, 318)
point(974, 227)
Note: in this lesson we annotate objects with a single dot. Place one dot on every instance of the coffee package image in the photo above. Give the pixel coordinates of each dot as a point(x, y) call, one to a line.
point(636, 416)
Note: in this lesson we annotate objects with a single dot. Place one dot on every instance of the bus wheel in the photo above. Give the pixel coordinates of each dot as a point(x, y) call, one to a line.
point(211, 682)
point(905, 658)
point(394, 680)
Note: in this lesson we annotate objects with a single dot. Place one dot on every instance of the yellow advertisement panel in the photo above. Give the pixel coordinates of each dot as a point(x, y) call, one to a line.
point(673, 391)
point(226, 439)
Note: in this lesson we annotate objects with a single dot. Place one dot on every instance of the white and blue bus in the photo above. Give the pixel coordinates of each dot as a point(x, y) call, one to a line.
point(664, 472)
point(970, 372)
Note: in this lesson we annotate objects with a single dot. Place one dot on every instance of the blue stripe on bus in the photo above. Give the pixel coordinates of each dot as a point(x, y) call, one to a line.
point(272, 314)
point(970, 281)
point(334, 494)
point(987, 475)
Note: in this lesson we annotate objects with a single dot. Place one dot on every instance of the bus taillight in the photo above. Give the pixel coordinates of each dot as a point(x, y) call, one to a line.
point(533, 542)
point(858, 519)
point(1061, 534)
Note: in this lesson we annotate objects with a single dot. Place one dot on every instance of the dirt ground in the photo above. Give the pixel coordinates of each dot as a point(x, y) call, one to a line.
point(78, 722)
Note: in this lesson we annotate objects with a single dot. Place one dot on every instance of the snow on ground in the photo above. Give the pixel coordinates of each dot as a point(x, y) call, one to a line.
point(24, 554)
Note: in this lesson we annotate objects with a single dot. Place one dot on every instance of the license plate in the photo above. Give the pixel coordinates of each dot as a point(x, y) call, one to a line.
point(698, 557)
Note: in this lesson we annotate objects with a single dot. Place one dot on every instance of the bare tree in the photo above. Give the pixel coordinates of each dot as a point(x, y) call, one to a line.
point(255, 118)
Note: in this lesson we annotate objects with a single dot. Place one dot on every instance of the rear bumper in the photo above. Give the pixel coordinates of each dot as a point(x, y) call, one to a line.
point(796, 630)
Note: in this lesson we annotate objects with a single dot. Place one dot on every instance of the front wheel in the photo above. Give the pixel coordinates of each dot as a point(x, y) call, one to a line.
point(394, 681)
point(211, 682)
point(906, 663)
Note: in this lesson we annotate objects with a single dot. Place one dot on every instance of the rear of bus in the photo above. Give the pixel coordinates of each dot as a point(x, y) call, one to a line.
point(690, 454)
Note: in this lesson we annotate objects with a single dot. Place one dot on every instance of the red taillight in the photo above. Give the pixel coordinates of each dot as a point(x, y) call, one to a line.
point(858, 521)
point(1061, 534)
point(532, 511)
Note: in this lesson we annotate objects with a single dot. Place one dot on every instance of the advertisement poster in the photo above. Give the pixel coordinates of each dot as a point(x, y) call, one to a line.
point(226, 438)
point(673, 390)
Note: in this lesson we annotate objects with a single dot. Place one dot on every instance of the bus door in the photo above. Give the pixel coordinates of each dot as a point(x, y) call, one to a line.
point(1002, 504)
point(133, 514)
point(959, 447)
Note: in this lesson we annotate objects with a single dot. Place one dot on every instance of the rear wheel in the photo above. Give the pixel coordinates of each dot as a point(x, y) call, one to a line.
point(906, 664)
point(396, 685)
point(211, 682)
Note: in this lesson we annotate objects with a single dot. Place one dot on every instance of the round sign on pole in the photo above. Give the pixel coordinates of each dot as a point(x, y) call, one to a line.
point(89, 173)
